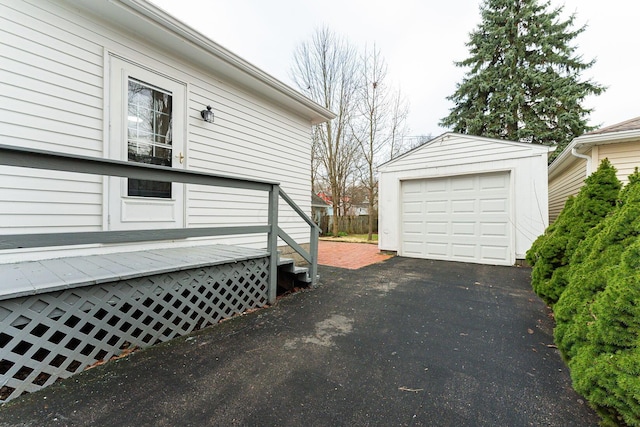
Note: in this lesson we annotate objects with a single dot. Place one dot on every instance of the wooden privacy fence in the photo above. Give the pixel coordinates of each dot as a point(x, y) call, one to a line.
point(348, 224)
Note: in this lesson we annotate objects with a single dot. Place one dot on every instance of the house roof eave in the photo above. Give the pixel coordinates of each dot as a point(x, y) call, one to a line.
point(584, 143)
point(163, 29)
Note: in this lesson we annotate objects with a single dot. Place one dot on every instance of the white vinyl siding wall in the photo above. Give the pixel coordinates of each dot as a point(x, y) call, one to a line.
point(51, 90)
point(455, 155)
point(52, 97)
point(625, 156)
point(568, 183)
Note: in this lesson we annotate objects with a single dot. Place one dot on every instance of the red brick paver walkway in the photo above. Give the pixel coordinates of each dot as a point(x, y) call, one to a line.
point(349, 255)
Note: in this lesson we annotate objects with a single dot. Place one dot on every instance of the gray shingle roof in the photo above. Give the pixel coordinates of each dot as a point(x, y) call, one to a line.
point(317, 201)
point(632, 124)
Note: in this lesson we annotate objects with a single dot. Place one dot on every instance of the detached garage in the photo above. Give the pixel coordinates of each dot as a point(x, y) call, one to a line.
point(464, 198)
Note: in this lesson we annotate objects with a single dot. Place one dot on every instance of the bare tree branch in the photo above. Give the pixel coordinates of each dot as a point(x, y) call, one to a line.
point(326, 70)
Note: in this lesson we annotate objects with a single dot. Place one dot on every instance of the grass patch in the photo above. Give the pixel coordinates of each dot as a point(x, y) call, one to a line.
point(374, 236)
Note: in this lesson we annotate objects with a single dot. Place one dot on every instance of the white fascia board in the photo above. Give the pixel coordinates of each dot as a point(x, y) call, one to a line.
point(585, 142)
point(164, 30)
point(384, 165)
point(540, 149)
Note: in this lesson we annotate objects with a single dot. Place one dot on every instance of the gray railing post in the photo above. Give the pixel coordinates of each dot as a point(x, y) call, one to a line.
point(272, 244)
point(313, 250)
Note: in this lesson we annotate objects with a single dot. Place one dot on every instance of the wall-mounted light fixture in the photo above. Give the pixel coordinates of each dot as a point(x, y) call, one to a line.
point(207, 115)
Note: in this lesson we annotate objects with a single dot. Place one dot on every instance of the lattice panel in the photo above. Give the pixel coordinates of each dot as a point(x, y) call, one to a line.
point(50, 336)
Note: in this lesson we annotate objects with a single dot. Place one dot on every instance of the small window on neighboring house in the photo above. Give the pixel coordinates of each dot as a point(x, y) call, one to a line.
point(149, 138)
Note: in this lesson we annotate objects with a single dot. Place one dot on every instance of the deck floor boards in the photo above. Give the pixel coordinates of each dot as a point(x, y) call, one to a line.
point(32, 277)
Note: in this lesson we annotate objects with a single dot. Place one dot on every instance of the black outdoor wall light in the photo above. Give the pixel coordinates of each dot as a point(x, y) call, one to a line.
point(207, 115)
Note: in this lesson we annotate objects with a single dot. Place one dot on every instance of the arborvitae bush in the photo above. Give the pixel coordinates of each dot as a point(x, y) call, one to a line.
point(606, 370)
point(598, 315)
point(551, 253)
point(593, 264)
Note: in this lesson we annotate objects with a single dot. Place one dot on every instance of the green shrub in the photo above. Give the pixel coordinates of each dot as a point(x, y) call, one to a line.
point(606, 370)
point(598, 314)
point(634, 178)
point(342, 234)
point(551, 253)
point(533, 254)
point(594, 263)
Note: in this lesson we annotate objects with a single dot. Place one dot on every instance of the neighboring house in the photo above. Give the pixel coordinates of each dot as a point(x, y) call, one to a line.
point(464, 198)
point(328, 200)
point(93, 264)
point(620, 143)
point(358, 209)
point(347, 208)
point(319, 208)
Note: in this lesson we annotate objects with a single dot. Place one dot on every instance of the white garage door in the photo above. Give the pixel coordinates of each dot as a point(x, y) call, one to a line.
point(461, 218)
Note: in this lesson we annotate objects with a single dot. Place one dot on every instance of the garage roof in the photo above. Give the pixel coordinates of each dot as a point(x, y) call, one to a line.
point(450, 136)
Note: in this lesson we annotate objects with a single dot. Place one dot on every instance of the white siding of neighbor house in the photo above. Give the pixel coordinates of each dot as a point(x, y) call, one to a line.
point(455, 154)
point(624, 156)
point(567, 183)
point(52, 97)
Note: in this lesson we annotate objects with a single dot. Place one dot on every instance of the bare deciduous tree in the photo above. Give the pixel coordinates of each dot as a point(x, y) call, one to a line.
point(379, 125)
point(371, 127)
point(399, 129)
point(325, 69)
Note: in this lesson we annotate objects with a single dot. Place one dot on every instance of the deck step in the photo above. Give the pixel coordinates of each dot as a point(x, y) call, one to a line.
point(291, 275)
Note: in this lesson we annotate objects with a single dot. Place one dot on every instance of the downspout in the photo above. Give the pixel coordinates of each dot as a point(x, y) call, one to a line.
point(575, 153)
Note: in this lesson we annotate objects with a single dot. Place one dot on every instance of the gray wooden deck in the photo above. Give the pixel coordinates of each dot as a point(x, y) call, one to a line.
point(34, 277)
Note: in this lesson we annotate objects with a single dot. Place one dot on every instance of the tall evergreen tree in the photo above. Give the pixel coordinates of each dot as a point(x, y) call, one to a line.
point(524, 81)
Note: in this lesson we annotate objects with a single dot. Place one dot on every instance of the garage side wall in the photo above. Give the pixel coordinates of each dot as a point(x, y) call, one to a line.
point(529, 188)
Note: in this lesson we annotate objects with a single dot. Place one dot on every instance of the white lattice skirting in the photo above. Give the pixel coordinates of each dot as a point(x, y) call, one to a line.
point(54, 335)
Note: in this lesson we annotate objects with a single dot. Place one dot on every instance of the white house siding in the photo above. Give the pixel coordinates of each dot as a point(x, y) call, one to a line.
point(454, 155)
point(53, 83)
point(625, 156)
point(51, 92)
point(566, 184)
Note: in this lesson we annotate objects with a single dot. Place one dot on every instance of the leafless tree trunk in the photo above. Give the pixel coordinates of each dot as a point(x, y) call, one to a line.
point(325, 69)
point(381, 118)
point(399, 129)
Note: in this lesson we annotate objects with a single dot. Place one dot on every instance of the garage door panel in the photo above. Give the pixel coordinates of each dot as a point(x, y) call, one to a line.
point(461, 218)
point(436, 228)
point(436, 250)
point(462, 183)
point(413, 248)
point(434, 186)
point(436, 206)
point(461, 251)
point(494, 253)
point(494, 206)
point(463, 229)
point(411, 187)
point(463, 206)
point(494, 181)
point(413, 228)
point(493, 229)
point(412, 208)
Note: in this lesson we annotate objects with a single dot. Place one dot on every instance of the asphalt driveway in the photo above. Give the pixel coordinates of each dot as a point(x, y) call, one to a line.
point(402, 342)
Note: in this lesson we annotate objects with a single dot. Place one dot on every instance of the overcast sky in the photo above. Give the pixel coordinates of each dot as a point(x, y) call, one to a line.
point(420, 40)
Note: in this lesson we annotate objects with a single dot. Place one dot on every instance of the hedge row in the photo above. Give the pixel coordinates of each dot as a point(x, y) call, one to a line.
point(598, 310)
point(551, 253)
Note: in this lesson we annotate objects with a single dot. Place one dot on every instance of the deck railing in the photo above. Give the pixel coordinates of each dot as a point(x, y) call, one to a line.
point(40, 159)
